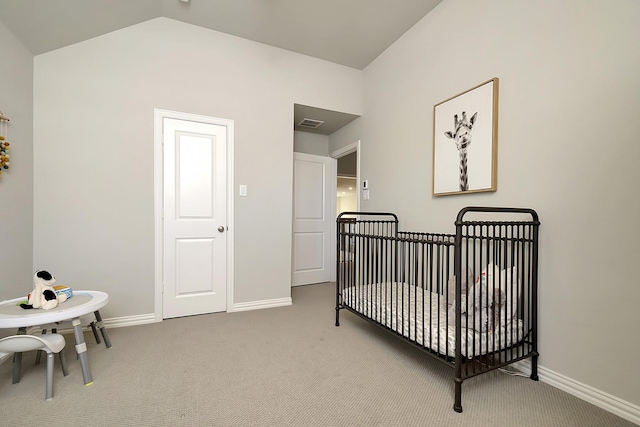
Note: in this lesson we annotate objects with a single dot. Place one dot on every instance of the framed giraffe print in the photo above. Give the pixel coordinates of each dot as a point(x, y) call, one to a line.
point(465, 141)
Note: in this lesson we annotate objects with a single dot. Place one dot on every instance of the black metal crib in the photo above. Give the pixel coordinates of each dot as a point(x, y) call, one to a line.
point(469, 299)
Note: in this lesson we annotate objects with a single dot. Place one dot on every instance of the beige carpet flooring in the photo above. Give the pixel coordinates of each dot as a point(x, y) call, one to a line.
point(287, 366)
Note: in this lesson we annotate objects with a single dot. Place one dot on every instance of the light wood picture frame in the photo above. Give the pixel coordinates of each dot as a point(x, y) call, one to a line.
point(465, 141)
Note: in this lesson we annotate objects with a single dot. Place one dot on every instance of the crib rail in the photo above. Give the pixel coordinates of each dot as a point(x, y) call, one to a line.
point(363, 250)
point(509, 248)
point(468, 298)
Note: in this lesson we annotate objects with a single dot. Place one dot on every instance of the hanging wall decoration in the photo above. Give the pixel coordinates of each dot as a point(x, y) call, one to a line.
point(4, 143)
point(465, 141)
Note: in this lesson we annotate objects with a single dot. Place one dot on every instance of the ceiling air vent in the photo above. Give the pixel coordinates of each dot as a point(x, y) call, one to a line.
point(310, 123)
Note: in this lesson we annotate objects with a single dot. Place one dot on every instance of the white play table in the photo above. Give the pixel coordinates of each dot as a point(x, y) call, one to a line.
point(82, 302)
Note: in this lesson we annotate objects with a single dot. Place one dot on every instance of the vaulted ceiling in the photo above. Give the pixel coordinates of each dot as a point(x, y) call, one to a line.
point(347, 32)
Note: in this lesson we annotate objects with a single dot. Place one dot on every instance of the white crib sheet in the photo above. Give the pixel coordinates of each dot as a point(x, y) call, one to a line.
point(382, 303)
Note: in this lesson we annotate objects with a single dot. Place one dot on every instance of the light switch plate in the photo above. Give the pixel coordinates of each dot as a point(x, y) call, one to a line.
point(243, 190)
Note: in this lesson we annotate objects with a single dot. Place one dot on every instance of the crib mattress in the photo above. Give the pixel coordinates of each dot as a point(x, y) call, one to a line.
point(399, 307)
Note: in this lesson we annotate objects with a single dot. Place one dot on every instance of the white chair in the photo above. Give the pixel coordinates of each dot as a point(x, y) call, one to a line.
point(52, 344)
point(87, 319)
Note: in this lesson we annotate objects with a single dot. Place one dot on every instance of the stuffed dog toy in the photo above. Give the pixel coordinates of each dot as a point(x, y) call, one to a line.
point(43, 295)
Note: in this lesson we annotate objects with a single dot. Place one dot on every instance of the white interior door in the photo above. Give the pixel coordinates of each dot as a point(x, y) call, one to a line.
point(194, 226)
point(313, 217)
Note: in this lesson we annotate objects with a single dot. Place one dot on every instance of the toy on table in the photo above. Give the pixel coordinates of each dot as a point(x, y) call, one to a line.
point(44, 294)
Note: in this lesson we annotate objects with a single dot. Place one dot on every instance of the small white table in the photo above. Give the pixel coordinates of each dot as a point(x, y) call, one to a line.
point(82, 302)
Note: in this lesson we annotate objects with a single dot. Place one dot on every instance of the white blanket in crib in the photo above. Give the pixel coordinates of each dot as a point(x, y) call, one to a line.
point(399, 307)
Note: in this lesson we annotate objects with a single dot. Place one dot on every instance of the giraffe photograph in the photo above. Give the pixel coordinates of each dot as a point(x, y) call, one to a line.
point(465, 132)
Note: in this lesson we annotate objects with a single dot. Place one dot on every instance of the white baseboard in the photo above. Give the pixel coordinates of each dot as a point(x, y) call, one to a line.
point(119, 322)
point(258, 305)
point(114, 322)
point(610, 403)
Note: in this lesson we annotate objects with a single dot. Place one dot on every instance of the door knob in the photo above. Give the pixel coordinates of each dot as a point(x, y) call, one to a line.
point(221, 229)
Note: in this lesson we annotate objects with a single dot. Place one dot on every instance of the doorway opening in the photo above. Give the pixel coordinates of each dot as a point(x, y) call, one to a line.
point(348, 178)
point(319, 198)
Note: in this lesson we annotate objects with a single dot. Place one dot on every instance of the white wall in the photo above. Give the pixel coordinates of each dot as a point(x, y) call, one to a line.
point(93, 138)
point(346, 204)
point(346, 135)
point(16, 184)
point(311, 143)
point(348, 165)
point(568, 147)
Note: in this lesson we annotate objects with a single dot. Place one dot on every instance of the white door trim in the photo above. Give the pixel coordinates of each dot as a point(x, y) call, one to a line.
point(158, 176)
point(341, 152)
